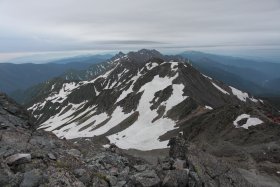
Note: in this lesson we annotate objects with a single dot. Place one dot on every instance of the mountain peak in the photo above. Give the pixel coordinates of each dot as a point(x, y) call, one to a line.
point(144, 55)
point(120, 54)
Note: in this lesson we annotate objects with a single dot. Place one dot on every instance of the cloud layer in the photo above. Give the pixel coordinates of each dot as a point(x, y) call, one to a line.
point(32, 25)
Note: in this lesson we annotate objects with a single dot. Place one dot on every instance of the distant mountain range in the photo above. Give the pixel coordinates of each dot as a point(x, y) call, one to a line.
point(15, 77)
point(258, 78)
point(261, 79)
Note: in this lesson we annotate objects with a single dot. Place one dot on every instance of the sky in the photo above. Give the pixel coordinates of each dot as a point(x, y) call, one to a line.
point(234, 27)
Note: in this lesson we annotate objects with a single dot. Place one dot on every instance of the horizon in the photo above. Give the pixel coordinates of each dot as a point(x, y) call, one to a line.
point(50, 56)
point(241, 28)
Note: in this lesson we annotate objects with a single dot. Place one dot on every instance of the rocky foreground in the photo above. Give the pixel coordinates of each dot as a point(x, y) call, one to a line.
point(206, 154)
point(31, 158)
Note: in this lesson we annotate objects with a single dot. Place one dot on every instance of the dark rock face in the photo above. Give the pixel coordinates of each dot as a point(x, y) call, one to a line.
point(177, 148)
point(176, 178)
point(223, 155)
point(209, 164)
point(32, 178)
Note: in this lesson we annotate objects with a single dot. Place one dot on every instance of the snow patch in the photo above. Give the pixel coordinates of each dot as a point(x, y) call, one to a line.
point(206, 76)
point(151, 65)
point(250, 121)
point(59, 119)
point(241, 95)
point(66, 89)
point(221, 89)
point(129, 90)
point(208, 107)
point(106, 145)
point(52, 87)
point(96, 92)
point(72, 130)
point(174, 65)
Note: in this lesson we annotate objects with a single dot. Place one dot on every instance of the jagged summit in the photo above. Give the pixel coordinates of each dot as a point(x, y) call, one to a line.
point(144, 55)
point(117, 56)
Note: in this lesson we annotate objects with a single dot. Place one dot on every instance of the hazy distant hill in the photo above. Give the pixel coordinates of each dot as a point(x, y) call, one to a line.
point(259, 78)
point(21, 76)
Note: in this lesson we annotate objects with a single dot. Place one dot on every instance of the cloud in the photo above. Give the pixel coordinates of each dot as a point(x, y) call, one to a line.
point(32, 25)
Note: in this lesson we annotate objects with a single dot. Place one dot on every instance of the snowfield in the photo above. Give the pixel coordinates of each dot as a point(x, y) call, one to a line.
point(221, 89)
point(242, 96)
point(142, 135)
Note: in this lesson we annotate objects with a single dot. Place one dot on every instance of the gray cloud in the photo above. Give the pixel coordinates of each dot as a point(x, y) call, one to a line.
point(32, 25)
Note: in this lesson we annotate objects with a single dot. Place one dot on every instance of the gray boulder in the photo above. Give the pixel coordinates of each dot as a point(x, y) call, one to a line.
point(74, 152)
point(51, 156)
point(147, 178)
point(179, 164)
point(19, 158)
point(32, 178)
point(99, 182)
point(176, 178)
point(140, 167)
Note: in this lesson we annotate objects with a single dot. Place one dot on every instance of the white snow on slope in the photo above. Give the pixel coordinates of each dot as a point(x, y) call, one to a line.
point(206, 76)
point(129, 90)
point(52, 87)
point(219, 88)
point(241, 95)
point(59, 97)
point(37, 106)
point(60, 119)
point(250, 121)
point(66, 89)
point(143, 134)
point(106, 74)
point(151, 65)
point(72, 131)
point(96, 92)
point(176, 97)
point(174, 65)
point(209, 107)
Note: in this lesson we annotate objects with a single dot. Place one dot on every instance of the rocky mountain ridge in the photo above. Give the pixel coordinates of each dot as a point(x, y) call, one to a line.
point(142, 96)
point(218, 135)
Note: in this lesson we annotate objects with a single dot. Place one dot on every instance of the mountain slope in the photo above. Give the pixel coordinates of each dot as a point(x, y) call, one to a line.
point(141, 97)
point(30, 157)
point(25, 96)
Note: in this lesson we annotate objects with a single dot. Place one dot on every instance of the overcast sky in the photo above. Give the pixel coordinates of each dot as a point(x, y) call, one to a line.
point(250, 27)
